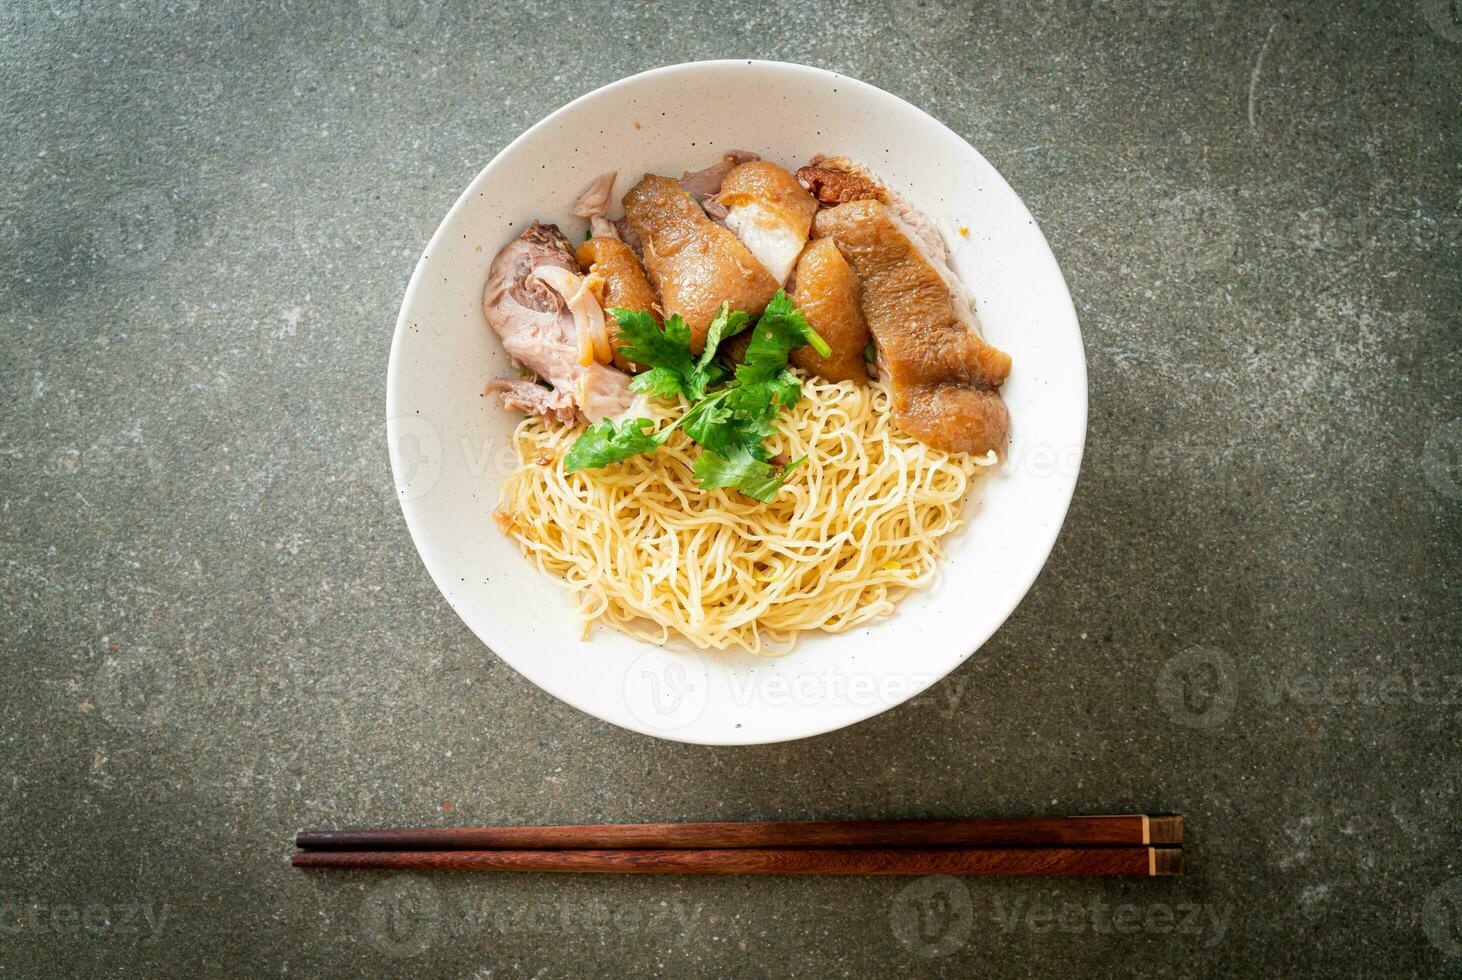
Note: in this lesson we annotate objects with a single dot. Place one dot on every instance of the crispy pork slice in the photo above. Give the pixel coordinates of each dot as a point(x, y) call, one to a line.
point(693, 263)
point(945, 378)
point(536, 303)
point(770, 212)
point(826, 290)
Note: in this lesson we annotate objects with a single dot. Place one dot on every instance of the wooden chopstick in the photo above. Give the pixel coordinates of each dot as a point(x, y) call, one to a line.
point(1079, 861)
point(1128, 830)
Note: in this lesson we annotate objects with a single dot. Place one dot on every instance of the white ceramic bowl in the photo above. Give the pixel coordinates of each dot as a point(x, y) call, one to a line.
point(450, 447)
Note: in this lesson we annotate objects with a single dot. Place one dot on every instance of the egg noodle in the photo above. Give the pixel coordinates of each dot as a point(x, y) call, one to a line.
point(857, 526)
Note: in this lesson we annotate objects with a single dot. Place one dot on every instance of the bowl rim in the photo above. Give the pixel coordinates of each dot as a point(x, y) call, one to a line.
point(439, 575)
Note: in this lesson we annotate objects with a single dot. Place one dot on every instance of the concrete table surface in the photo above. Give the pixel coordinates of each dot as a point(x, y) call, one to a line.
point(218, 630)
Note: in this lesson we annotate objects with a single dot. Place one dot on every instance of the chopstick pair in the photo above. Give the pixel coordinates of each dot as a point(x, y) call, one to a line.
point(1127, 845)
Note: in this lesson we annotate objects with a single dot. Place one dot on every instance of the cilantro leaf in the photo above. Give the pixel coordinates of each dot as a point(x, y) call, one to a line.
point(870, 352)
point(727, 324)
point(743, 412)
point(733, 417)
point(608, 442)
point(740, 469)
point(674, 370)
point(782, 329)
point(753, 407)
point(642, 342)
point(661, 382)
point(786, 388)
point(706, 421)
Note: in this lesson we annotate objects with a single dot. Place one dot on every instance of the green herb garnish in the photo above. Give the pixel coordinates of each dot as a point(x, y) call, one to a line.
point(608, 442)
point(781, 330)
point(674, 370)
point(753, 477)
point(731, 423)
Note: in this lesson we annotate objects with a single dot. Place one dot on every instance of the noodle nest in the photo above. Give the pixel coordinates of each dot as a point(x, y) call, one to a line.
point(856, 527)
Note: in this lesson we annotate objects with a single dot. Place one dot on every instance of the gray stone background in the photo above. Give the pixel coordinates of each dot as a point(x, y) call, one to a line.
point(218, 630)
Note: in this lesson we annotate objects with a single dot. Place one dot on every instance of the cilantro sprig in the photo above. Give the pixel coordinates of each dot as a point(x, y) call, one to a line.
point(608, 441)
point(674, 370)
point(754, 477)
point(781, 330)
point(731, 422)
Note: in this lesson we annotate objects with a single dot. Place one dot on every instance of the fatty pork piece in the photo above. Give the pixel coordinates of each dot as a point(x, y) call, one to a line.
point(693, 263)
point(594, 205)
point(826, 290)
point(535, 301)
point(704, 185)
point(944, 377)
point(613, 270)
point(770, 212)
